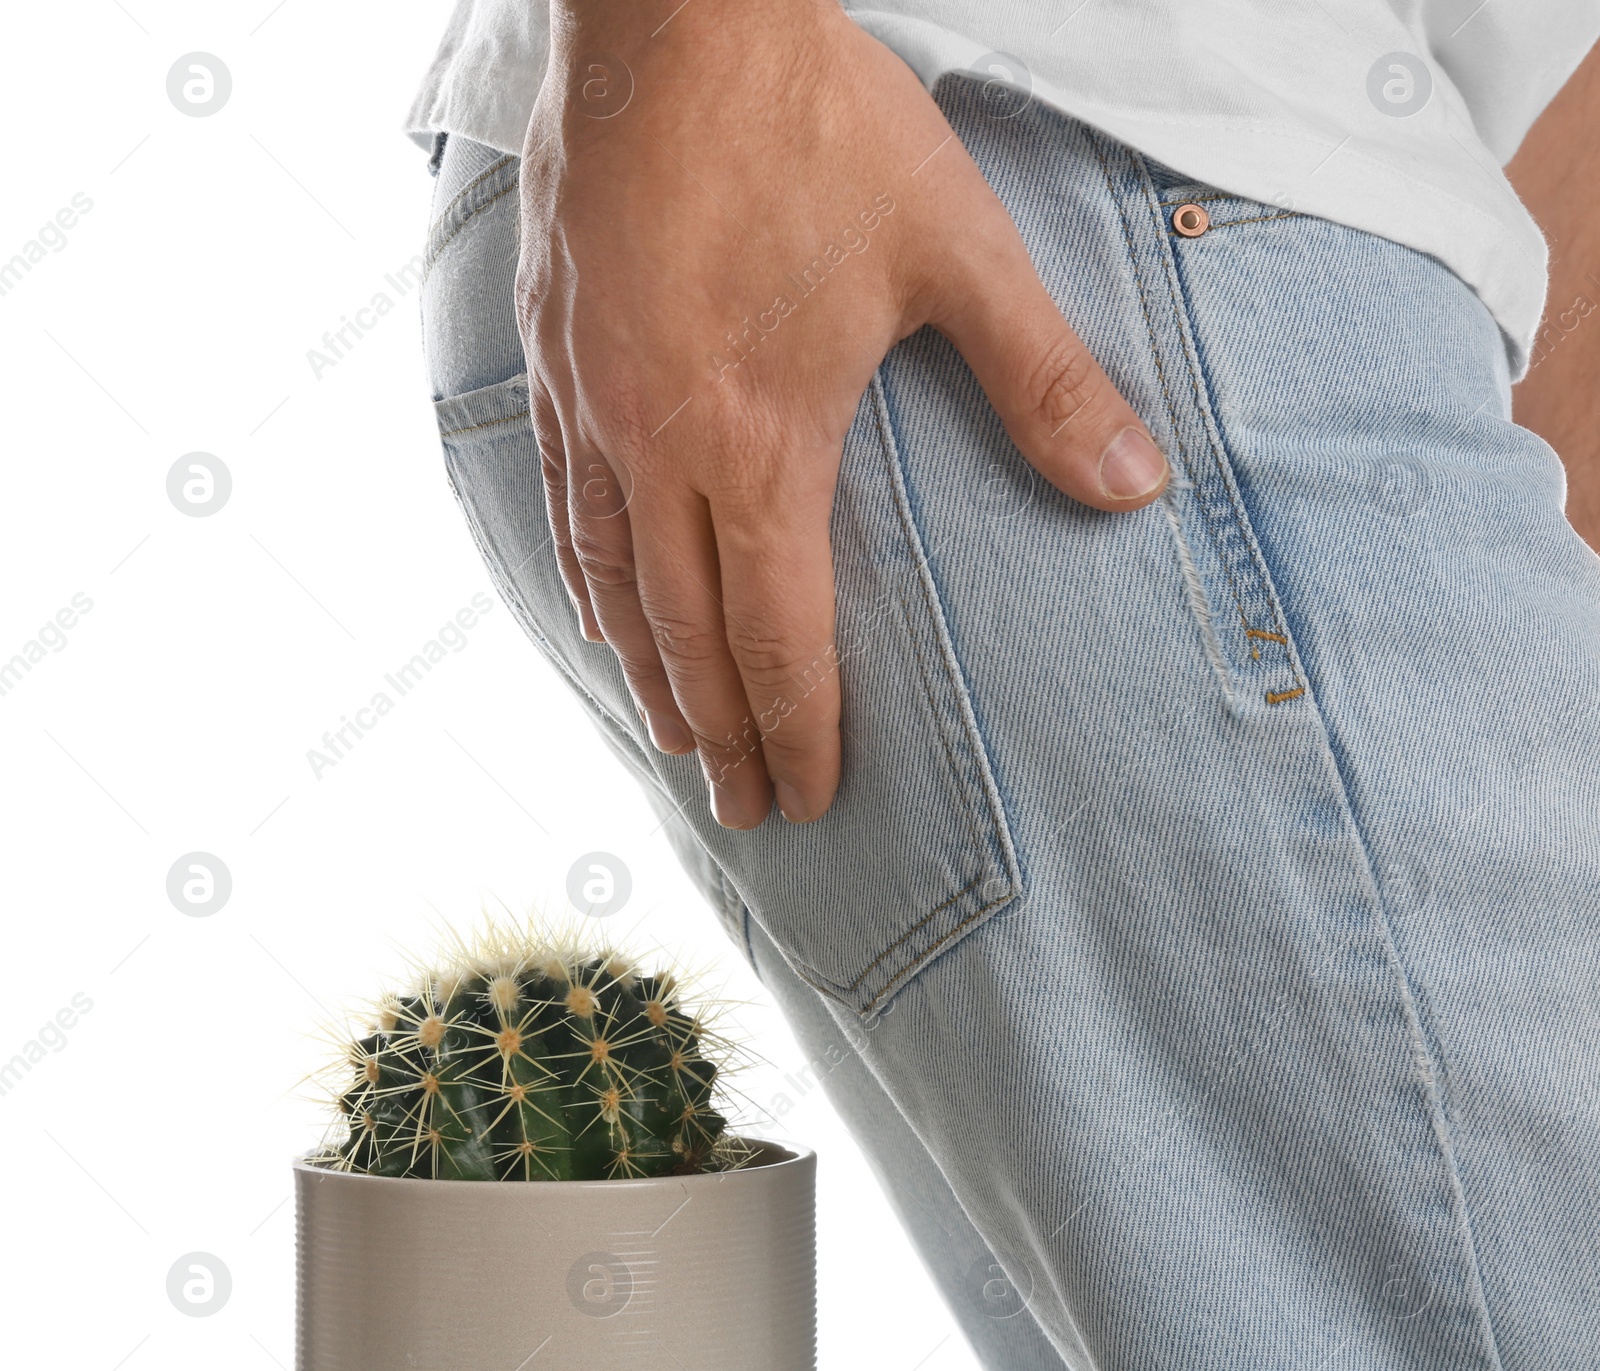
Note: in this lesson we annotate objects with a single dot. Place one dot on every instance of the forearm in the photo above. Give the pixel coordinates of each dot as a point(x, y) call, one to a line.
point(1557, 174)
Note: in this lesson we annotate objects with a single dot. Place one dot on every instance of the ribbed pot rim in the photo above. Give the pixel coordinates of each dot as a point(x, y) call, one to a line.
point(784, 1156)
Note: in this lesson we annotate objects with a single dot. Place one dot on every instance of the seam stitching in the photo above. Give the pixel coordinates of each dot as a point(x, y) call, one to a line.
point(487, 423)
point(1241, 523)
point(954, 935)
point(435, 250)
point(1421, 1057)
point(983, 849)
point(956, 768)
point(1197, 199)
point(855, 984)
point(922, 572)
point(467, 189)
point(1161, 373)
point(1196, 591)
point(1259, 219)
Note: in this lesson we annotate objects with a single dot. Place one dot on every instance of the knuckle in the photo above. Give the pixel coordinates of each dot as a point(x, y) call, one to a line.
point(767, 660)
point(636, 655)
point(1063, 383)
point(552, 465)
point(795, 727)
point(723, 754)
point(603, 563)
point(728, 443)
point(792, 691)
point(684, 645)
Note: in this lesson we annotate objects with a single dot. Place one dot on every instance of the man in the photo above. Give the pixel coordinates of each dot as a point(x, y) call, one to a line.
point(1083, 502)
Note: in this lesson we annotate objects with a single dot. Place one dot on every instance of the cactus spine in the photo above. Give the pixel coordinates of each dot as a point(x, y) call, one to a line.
point(522, 1059)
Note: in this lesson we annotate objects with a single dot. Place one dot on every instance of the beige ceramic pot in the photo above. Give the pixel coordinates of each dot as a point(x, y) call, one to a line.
point(711, 1273)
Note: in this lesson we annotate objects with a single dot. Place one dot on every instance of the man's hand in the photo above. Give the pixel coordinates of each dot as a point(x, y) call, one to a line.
point(727, 220)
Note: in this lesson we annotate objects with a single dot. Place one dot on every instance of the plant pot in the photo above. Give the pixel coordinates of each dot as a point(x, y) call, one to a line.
point(710, 1272)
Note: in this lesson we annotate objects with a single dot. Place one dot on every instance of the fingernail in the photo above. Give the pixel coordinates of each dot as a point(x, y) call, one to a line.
point(731, 812)
point(1131, 466)
point(790, 805)
point(667, 733)
point(588, 625)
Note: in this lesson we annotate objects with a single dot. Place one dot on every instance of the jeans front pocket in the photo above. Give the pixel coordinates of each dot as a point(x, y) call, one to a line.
point(916, 851)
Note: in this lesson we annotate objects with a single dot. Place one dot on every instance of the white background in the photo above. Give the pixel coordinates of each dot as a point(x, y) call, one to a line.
point(178, 713)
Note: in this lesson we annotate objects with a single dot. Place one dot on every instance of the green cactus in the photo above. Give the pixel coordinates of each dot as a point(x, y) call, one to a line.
point(524, 1058)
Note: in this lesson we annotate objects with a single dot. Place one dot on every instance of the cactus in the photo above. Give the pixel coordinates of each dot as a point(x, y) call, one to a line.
point(522, 1057)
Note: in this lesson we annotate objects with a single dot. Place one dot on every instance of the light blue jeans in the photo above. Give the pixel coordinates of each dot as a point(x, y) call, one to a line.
point(1207, 930)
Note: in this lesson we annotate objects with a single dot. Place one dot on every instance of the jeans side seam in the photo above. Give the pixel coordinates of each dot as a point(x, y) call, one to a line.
point(1425, 1060)
point(1422, 1056)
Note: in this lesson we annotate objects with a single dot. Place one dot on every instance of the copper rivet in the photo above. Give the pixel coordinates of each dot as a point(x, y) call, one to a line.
point(1190, 220)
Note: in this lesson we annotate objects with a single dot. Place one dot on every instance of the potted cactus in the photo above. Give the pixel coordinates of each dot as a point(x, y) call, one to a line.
point(531, 1167)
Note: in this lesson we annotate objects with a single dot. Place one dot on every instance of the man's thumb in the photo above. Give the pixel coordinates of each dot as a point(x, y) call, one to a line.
point(1059, 407)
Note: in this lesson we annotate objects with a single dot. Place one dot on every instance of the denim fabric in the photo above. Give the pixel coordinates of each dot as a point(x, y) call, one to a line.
point(1211, 906)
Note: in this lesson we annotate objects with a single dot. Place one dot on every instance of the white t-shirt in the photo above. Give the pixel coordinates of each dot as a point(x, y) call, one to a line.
point(1393, 116)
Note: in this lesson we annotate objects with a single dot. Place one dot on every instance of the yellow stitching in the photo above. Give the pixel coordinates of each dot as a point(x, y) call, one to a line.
point(910, 931)
point(487, 423)
point(1277, 697)
point(1216, 455)
point(1262, 633)
point(934, 950)
point(1161, 372)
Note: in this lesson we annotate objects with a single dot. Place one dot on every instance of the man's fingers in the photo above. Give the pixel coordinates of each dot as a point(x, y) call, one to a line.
point(553, 466)
point(778, 610)
point(1059, 407)
point(602, 548)
point(680, 590)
